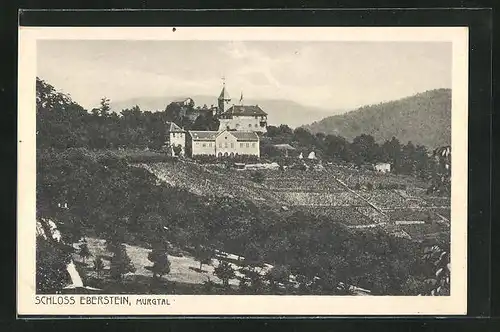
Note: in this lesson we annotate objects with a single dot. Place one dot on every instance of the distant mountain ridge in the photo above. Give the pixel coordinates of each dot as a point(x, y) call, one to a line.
point(279, 111)
point(424, 118)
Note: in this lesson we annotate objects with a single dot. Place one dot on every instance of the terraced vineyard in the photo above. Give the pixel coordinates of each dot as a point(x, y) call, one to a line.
point(329, 192)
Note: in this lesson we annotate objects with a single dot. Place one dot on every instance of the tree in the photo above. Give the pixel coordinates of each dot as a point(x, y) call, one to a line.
point(203, 255)
point(98, 265)
point(337, 147)
point(52, 259)
point(252, 280)
point(391, 152)
point(206, 121)
point(177, 149)
point(71, 226)
point(254, 255)
point(161, 263)
point(365, 149)
point(279, 274)
point(84, 252)
point(104, 108)
point(439, 283)
point(120, 263)
point(422, 162)
point(408, 159)
point(224, 271)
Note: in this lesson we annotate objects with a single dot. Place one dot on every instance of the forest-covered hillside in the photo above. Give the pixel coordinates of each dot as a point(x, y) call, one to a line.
point(423, 119)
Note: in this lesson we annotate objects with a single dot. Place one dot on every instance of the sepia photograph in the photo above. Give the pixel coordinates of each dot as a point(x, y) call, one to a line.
point(254, 164)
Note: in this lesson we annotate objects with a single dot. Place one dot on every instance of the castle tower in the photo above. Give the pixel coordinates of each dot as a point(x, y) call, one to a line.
point(224, 99)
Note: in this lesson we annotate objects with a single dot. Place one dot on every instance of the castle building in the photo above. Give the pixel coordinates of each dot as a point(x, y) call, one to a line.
point(223, 100)
point(240, 117)
point(175, 136)
point(224, 143)
point(236, 136)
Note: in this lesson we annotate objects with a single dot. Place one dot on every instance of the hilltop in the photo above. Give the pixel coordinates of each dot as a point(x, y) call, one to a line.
point(279, 111)
point(424, 118)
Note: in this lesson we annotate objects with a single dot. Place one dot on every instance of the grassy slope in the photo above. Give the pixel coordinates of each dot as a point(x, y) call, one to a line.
point(182, 269)
point(423, 119)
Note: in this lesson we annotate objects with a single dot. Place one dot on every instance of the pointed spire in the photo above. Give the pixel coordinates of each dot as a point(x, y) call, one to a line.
point(223, 94)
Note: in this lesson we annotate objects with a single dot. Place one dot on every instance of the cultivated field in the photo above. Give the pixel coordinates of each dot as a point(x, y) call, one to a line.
point(357, 198)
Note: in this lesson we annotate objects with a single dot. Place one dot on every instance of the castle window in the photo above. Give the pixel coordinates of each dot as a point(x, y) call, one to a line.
point(225, 145)
point(220, 145)
point(253, 145)
point(232, 145)
point(250, 125)
point(204, 145)
point(248, 145)
point(256, 125)
point(241, 145)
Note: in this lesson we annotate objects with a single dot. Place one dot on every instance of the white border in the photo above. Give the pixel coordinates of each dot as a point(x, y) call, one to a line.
point(456, 303)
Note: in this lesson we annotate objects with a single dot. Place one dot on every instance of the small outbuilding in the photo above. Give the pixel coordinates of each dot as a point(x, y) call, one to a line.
point(284, 147)
point(382, 167)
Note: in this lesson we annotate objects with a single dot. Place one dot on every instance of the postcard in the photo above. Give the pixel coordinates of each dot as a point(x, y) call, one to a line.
point(242, 171)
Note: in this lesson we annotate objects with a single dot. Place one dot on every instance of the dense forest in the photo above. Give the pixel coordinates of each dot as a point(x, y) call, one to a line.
point(105, 196)
point(423, 119)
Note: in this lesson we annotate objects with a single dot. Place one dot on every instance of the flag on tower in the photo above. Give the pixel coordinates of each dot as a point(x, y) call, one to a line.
point(241, 97)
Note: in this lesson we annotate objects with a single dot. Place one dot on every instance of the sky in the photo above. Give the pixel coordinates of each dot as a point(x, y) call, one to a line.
point(328, 75)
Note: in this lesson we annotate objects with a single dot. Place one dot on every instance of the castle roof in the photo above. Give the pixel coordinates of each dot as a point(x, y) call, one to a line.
point(203, 135)
point(173, 128)
point(224, 95)
point(284, 147)
point(245, 110)
point(181, 100)
point(245, 135)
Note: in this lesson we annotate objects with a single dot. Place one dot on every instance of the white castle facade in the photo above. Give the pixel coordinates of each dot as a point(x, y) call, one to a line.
point(238, 133)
